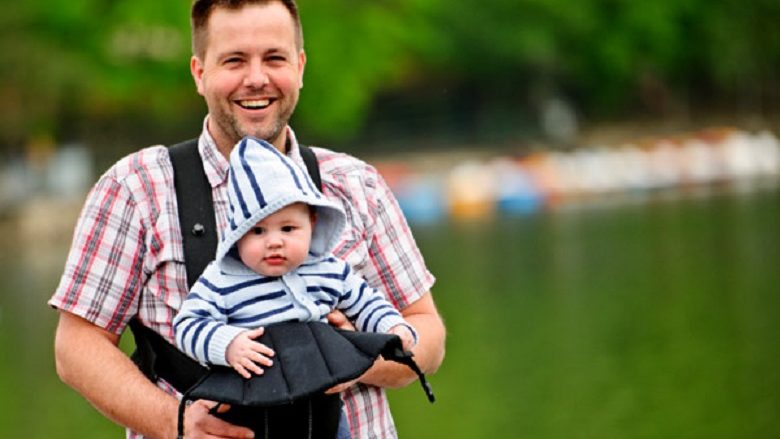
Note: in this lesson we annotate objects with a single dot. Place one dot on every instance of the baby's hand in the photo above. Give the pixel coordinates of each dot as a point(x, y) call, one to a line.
point(407, 338)
point(246, 355)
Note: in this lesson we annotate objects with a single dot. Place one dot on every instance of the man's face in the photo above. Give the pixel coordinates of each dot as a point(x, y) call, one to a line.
point(251, 73)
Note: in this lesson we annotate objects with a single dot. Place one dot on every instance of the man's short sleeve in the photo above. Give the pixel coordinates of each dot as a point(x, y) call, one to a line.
point(103, 273)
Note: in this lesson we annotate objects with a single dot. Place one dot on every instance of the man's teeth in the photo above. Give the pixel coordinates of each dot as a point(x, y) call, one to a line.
point(255, 104)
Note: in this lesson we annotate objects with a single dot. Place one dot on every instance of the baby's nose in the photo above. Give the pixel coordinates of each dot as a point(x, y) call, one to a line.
point(275, 241)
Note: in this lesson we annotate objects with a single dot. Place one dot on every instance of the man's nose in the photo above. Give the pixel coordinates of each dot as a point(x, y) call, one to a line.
point(256, 76)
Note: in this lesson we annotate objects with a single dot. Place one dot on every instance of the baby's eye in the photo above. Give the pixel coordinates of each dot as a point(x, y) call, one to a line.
point(288, 229)
point(257, 230)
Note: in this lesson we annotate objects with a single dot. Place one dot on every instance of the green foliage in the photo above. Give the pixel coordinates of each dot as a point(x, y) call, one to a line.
point(88, 59)
point(355, 50)
point(68, 64)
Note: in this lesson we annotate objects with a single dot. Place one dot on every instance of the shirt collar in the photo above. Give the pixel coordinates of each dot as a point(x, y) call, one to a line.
point(294, 151)
point(214, 163)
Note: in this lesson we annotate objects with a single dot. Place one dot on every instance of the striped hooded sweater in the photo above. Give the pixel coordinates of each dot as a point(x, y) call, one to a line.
point(230, 298)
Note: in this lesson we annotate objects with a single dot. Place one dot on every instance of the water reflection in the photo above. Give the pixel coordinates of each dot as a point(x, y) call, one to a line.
point(647, 320)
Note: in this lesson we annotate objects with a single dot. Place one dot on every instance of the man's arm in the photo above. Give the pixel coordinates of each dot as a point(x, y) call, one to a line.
point(89, 360)
point(428, 353)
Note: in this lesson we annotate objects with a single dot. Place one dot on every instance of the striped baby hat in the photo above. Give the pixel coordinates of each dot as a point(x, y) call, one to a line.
point(261, 180)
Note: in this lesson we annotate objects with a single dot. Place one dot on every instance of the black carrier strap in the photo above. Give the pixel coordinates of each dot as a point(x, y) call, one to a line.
point(196, 208)
point(154, 355)
point(310, 160)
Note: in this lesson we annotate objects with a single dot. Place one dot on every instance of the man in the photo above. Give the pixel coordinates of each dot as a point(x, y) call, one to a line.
point(127, 259)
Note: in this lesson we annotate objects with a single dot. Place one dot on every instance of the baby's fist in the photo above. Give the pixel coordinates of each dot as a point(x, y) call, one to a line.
point(406, 335)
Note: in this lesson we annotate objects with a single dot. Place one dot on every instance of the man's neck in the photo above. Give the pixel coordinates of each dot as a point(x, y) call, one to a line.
point(225, 147)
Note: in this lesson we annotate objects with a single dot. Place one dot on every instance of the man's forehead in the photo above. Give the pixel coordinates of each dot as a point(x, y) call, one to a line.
point(247, 30)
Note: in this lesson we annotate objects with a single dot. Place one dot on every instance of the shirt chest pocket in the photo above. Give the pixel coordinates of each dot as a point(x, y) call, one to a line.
point(353, 243)
point(166, 274)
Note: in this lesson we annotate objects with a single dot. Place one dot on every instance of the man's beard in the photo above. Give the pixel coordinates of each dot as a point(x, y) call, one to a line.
point(233, 128)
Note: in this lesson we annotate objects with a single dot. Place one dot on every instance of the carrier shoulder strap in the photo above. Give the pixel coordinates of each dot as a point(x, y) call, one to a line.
point(154, 355)
point(196, 208)
point(310, 160)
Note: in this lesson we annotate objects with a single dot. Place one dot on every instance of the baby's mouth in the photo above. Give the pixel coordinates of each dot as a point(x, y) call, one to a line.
point(274, 259)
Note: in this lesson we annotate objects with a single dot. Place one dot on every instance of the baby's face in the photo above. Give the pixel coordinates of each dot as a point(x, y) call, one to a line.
point(279, 243)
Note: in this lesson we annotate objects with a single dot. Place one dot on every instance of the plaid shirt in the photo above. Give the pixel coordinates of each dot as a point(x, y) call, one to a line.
point(127, 258)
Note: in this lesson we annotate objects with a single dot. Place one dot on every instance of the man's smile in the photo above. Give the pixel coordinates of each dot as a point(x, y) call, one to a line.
point(254, 104)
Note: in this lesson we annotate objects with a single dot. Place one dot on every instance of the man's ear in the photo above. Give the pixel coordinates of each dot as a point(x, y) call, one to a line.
point(302, 65)
point(196, 68)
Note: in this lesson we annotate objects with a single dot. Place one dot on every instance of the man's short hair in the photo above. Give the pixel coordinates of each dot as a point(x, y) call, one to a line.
point(202, 9)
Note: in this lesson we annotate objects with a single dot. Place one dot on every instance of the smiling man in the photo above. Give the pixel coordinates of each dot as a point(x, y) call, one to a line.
point(127, 258)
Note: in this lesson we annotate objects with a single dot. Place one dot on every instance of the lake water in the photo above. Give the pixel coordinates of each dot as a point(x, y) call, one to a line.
point(649, 319)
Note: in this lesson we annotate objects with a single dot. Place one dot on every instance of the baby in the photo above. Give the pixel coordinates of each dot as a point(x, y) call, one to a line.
point(274, 264)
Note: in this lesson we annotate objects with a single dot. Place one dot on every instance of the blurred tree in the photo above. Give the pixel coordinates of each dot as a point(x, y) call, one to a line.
point(355, 50)
point(96, 67)
point(70, 64)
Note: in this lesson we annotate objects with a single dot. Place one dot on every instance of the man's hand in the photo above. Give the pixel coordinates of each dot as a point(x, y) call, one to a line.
point(199, 423)
point(338, 388)
point(339, 320)
point(246, 355)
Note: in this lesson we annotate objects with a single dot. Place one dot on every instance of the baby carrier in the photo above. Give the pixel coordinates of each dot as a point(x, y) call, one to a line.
point(287, 401)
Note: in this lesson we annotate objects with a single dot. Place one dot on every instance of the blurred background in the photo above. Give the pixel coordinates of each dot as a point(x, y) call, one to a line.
point(594, 183)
